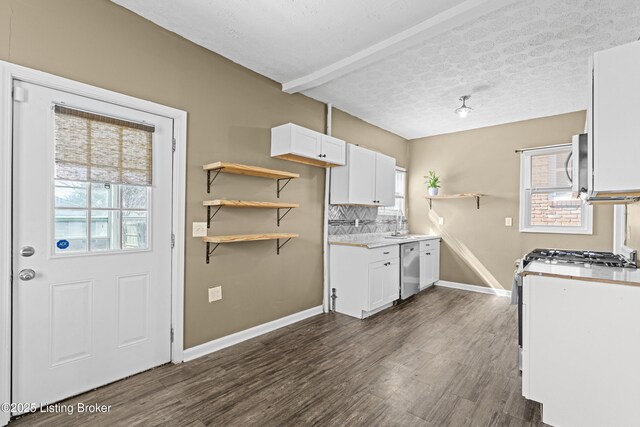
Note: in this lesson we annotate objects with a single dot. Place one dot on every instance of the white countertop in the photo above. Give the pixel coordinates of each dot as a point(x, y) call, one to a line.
point(593, 273)
point(377, 240)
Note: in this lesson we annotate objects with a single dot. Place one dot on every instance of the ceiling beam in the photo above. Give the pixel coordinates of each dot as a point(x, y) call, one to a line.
point(455, 16)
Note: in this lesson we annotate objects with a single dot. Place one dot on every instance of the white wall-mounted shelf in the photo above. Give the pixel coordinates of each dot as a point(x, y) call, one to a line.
point(456, 196)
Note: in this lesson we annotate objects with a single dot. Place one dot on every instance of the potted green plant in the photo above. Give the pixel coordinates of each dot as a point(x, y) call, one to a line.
point(433, 182)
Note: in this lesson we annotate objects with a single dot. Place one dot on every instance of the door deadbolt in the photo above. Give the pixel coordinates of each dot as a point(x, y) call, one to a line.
point(27, 274)
point(27, 251)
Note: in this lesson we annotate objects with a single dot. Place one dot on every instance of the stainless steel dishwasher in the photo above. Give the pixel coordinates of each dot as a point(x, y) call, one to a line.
point(409, 269)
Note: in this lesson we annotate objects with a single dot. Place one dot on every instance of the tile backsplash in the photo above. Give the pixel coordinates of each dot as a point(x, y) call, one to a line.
point(342, 219)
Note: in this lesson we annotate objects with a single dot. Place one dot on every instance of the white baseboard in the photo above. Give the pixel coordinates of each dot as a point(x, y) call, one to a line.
point(238, 337)
point(474, 288)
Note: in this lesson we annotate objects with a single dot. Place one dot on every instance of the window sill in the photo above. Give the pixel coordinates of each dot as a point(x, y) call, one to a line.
point(544, 230)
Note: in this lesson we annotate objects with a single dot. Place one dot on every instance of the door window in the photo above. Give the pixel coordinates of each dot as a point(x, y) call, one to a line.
point(99, 217)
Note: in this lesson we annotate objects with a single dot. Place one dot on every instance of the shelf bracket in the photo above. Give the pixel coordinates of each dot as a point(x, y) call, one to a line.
point(279, 246)
point(430, 203)
point(280, 188)
point(210, 252)
point(283, 215)
point(210, 217)
point(210, 180)
point(477, 202)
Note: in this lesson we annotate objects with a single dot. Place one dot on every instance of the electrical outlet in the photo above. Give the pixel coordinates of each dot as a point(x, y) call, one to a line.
point(215, 294)
point(508, 221)
point(441, 220)
point(199, 229)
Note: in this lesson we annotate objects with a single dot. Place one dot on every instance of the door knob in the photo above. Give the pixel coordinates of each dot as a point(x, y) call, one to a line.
point(27, 274)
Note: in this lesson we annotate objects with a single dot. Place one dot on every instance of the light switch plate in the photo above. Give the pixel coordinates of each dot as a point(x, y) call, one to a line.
point(508, 221)
point(199, 229)
point(215, 294)
point(441, 220)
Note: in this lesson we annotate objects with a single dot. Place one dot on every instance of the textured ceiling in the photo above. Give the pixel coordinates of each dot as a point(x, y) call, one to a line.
point(285, 39)
point(529, 59)
point(526, 60)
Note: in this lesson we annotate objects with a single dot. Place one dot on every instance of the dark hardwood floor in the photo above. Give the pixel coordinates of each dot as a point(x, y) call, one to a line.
point(446, 357)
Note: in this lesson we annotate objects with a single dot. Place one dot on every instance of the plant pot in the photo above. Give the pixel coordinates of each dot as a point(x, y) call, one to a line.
point(433, 191)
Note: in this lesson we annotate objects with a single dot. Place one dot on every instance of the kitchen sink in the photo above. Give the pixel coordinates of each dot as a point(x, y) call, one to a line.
point(398, 237)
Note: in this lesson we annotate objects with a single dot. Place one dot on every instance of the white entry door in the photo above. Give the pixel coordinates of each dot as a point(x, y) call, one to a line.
point(92, 243)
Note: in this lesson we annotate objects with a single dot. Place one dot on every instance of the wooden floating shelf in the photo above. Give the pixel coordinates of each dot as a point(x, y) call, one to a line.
point(220, 203)
point(238, 169)
point(249, 204)
point(457, 196)
point(234, 238)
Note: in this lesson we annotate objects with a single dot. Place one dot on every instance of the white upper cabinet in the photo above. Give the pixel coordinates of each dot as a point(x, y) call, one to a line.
point(368, 178)
point(302, 145)
point(615, 127)
point(385, 187)
point(333, 150)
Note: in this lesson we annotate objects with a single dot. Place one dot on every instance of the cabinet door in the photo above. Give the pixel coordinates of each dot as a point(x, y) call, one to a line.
point(385, 180)
point(391, 283)
point(377, 278)
point(424, 270)
point(429, 267)
point(333, 150)
point(615, 125)
point(384, 283)
point(362, 169)
point(305, 142)
point(434, 265)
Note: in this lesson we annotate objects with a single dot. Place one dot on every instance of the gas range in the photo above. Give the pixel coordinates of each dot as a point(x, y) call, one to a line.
point(559, 256)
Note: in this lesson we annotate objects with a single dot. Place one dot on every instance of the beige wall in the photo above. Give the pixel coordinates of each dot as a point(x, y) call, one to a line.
point(231, 110)
point(633, 226)
point(483, 161)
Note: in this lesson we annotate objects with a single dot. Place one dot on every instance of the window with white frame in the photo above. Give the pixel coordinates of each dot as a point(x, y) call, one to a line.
point(400, 193)
point(547, 203)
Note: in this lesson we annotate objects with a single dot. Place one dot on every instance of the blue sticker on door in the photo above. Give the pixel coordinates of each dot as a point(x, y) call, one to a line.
point(62, 244)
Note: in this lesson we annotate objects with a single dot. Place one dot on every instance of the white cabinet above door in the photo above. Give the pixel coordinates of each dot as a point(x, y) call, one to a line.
point(302, 145)
point(368, 178)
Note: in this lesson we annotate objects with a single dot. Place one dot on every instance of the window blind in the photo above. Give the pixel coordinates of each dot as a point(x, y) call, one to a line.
point(94, 148)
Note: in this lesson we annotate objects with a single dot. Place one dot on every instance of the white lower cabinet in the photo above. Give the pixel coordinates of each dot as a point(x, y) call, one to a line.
point(384, 283)
point(581, 346)
point(429, 262)
point(364, 280)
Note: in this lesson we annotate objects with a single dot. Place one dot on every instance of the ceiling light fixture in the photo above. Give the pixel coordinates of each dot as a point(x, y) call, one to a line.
point(464, 111)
